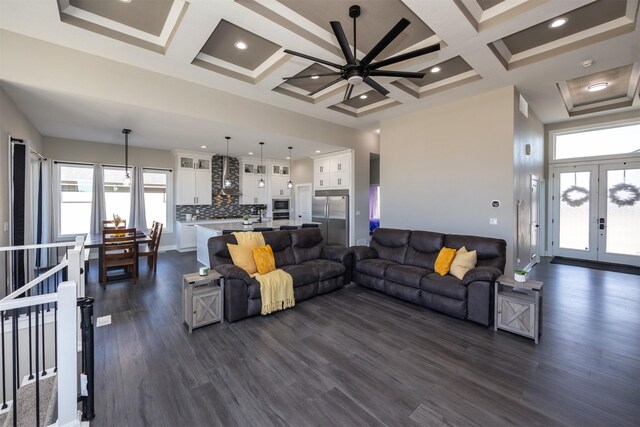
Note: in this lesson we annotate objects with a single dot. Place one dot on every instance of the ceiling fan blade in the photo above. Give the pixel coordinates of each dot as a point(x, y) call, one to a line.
point(342, 40)
point(311, 58)
point(324, 87)
point(337, 73)
point(375, 85)
point(347, 93)
point(406, 74)
point(405, 56)
point(385, 41)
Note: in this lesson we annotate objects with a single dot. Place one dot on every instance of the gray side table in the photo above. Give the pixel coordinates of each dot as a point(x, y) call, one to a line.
point(518, 307)
point(202, 299)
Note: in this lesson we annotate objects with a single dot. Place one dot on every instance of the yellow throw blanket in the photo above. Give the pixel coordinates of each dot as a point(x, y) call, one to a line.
point(276, 290)
point(248, 237)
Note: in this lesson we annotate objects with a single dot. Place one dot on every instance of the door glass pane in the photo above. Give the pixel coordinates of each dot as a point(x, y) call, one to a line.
point(623, 212)
point(575, 202)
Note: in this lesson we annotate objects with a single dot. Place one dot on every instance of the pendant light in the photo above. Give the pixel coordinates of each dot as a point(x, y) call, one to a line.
point(290, 183)
point(127, 178)
point(261, 183)
point(227, 181)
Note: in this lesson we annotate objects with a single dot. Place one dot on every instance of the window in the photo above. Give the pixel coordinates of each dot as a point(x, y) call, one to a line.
point(76, 184)
point(598, 142)
point(155, 197)
point(117, 196)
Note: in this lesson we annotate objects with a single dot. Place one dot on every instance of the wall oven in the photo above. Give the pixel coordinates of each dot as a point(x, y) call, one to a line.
point(280, 208)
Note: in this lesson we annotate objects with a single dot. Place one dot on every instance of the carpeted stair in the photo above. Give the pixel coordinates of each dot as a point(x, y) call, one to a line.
point(27, 403)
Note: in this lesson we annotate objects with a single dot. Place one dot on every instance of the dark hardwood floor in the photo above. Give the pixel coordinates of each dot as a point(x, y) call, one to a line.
point(357, 357)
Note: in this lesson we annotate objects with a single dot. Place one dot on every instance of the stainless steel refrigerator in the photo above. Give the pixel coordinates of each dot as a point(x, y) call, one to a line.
point(332, 212)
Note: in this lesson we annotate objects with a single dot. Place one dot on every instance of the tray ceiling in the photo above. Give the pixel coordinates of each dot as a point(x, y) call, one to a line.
point(486, 44)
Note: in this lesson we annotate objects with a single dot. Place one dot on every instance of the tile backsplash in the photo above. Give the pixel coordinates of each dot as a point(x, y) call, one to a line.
point(222, 205)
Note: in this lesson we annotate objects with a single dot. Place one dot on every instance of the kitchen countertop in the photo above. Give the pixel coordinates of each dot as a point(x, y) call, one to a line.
point(237, 225)
point(213, 221)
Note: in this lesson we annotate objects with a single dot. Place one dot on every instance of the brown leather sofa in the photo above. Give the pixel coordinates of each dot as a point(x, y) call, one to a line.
point(316, 268)
point(400, 263)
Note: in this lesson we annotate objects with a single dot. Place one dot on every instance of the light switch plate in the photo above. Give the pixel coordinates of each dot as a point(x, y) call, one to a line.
point(493, 221)
point(6, 226)
point(357, 213)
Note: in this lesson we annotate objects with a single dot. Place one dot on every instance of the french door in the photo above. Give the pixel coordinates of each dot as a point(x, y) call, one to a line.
point(596, 212)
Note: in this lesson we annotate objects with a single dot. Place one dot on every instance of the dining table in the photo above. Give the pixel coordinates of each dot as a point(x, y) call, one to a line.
point(94, 240)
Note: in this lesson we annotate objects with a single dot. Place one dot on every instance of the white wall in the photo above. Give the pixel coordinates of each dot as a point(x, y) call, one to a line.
point(440, 168)
point(14, 123)
point(527, 130)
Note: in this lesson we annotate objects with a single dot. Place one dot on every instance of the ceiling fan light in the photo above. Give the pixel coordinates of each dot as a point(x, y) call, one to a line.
point(597, 86)
point(355, 80)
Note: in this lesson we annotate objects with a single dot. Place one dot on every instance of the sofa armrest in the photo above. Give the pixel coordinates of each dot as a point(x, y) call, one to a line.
point(485, 274)
point(335, 253)
point(363, 252)
point(230, 271)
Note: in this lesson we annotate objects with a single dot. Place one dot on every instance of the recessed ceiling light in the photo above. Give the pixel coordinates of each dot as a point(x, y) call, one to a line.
point(125, 1)
point(597, 86)
point(203, 146)
point(317, 151)
point(251, 153)
point(315, 77)
point(363, 96)
point(241, 45)
point(378, 131)
point(288, 158)
point(435, 69)
point(558, 22)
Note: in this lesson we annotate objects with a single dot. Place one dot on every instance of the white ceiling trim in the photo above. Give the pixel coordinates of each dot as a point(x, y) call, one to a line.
point(500, 8)
point(573, 38)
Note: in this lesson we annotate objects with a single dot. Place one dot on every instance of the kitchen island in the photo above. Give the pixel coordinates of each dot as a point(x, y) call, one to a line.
point(205, 231)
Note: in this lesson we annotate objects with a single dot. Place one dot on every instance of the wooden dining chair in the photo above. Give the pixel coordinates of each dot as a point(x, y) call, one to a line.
point(150, 250)
point(119, 250)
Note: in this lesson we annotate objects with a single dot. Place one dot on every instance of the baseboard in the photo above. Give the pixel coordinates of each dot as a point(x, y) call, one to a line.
point(167, 248)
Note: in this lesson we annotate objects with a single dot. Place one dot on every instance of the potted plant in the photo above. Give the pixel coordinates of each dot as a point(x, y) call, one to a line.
point(520, 275)
point(245, 219)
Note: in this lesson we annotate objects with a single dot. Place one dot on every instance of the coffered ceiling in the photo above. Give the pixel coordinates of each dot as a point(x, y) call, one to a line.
point(485, 44)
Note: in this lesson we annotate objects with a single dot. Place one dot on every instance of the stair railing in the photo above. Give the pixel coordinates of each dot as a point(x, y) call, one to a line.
point(54, 291)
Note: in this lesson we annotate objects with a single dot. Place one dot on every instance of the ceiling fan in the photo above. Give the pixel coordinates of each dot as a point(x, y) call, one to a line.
point(357, 71)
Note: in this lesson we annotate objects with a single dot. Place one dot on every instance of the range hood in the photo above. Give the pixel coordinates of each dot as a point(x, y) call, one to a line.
point(231, 191)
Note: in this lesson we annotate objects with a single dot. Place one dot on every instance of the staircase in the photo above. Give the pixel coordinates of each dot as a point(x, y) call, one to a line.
point(27, 413)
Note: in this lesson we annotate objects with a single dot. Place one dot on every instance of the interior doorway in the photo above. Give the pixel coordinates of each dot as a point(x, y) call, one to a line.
point(596, 211)
point(303, 202)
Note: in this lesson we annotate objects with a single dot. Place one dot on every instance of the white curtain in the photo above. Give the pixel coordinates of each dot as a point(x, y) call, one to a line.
point(137, 214)
point(98, 204)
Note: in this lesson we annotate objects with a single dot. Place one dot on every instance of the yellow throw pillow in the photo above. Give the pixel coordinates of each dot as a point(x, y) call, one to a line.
point(265, 261)
point(444, 260)
point(463, 262)
point(242, 256)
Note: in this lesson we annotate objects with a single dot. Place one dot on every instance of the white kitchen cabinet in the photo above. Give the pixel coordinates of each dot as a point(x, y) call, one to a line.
point(193, 179)
point(322, 181)
point(340, 180)
point(332, 172)
point(279, 186)
point(251, 193)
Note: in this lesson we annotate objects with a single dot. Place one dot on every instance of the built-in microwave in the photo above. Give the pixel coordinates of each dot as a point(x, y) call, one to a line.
point(280, 205)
